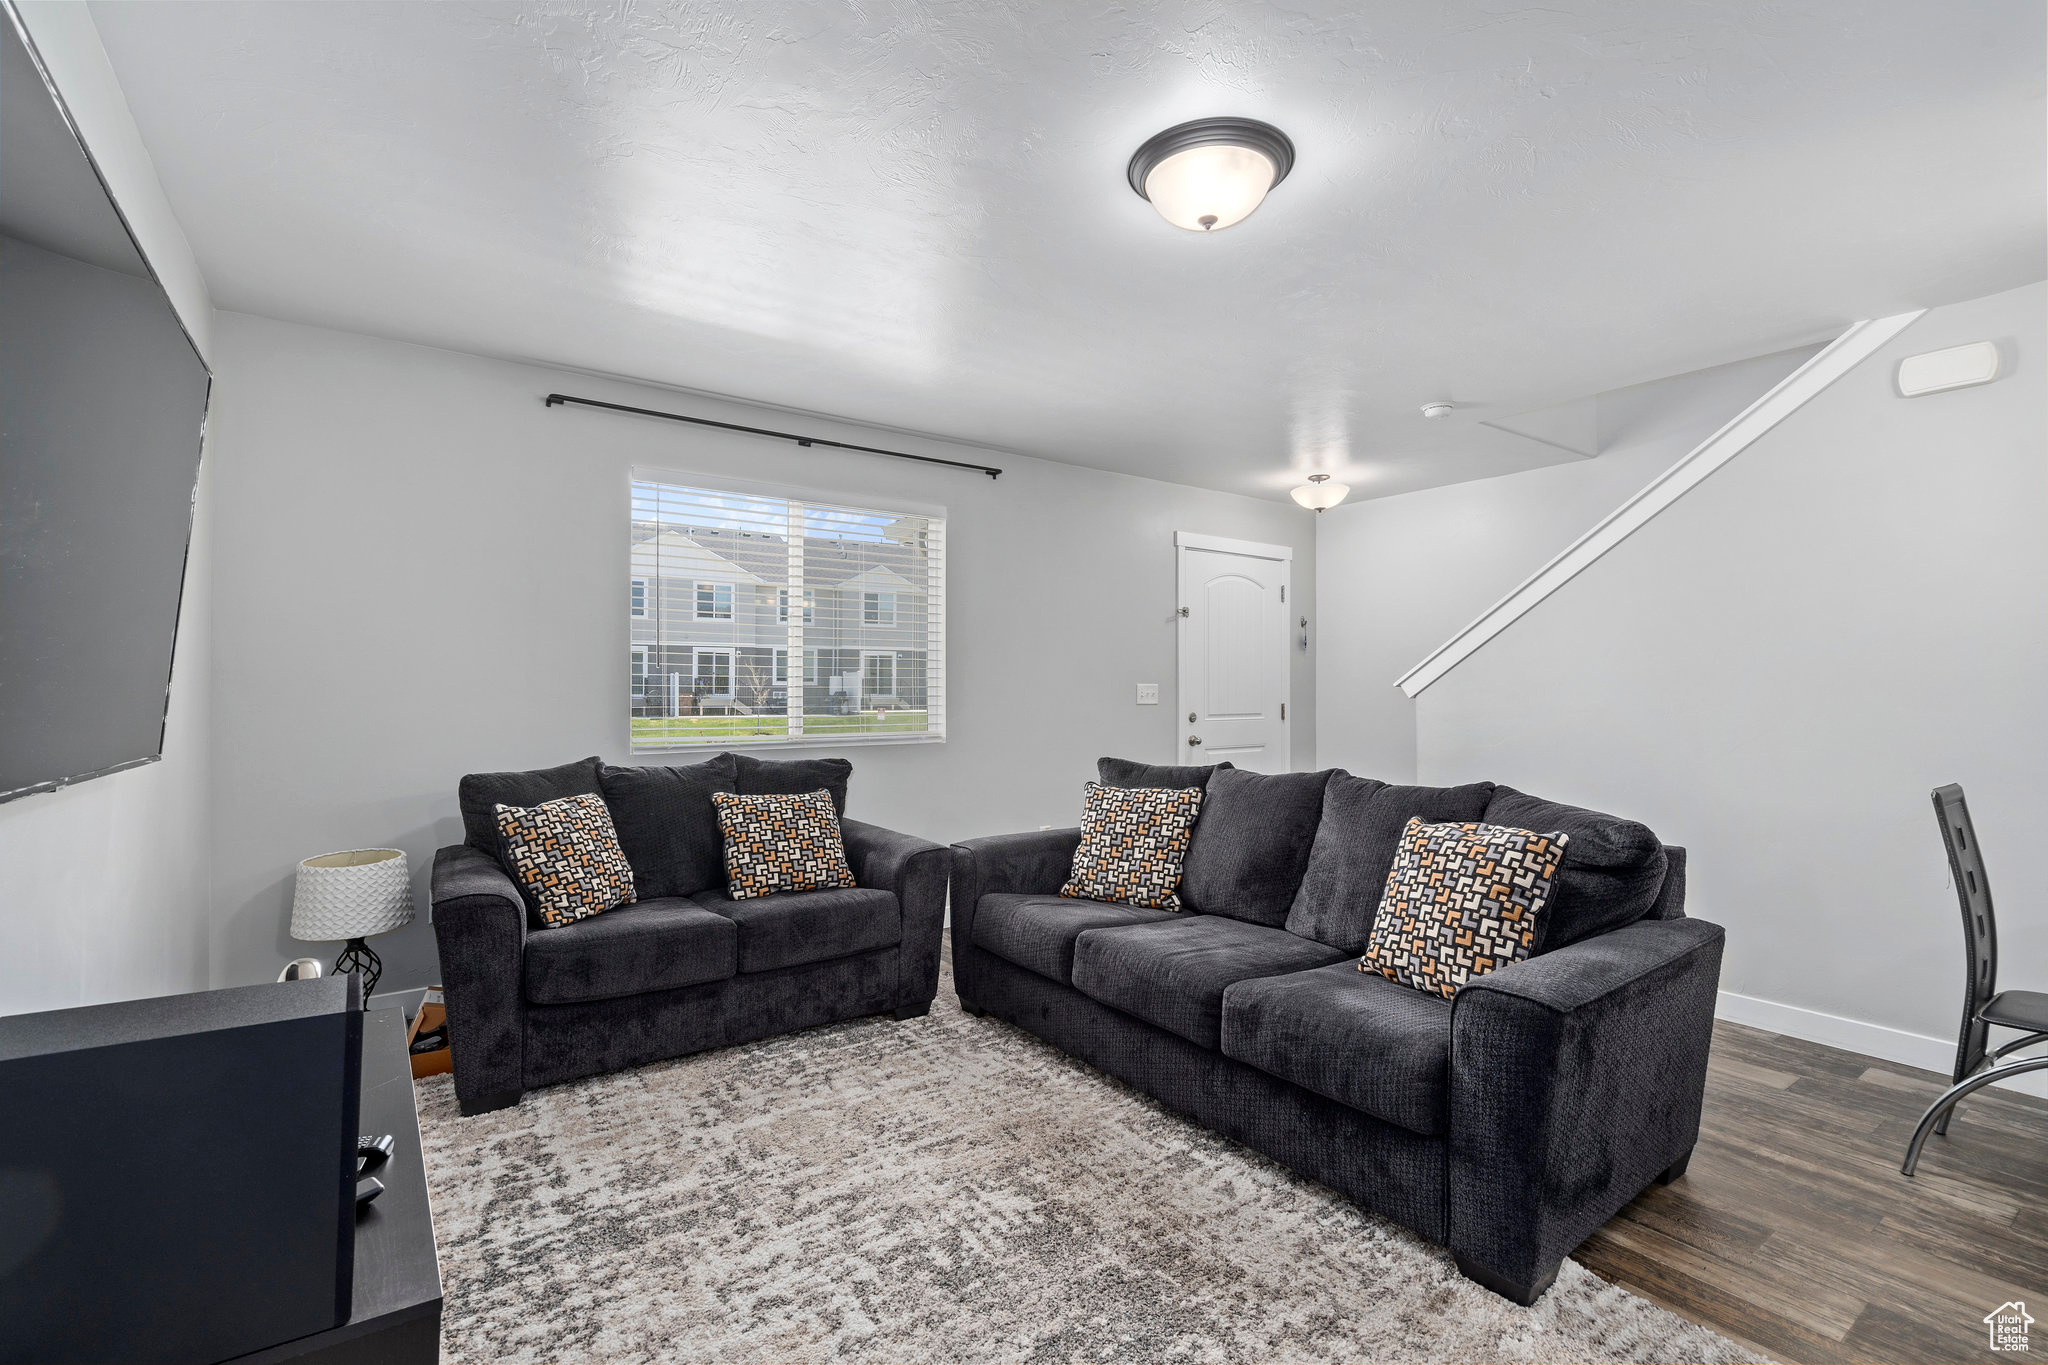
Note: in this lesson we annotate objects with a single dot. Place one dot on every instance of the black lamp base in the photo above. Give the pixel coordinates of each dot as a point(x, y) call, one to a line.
point(358, 956)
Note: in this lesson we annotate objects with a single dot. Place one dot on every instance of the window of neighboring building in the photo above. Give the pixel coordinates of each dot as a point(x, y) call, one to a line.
point(714, 672)
point(714, 601)
point(878, 675)
point(734, 593)
point(810, 605)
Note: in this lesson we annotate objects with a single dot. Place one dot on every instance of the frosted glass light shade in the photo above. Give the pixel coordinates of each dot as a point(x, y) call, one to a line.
point(352, 894)
point(1210, 187)
point(1321, 495)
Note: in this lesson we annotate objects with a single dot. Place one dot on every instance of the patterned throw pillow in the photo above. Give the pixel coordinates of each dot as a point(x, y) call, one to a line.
point(565, 855)
point(781, 843)
point(1460, 901)
point(1133, 842)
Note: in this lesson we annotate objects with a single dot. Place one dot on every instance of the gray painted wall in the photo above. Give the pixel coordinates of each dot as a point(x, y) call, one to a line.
point(106, 887)
point(1401, 575)
point(1777, 669)
point(420, 576)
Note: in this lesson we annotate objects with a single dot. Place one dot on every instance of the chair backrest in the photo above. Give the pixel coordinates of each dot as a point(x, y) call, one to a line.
point(1980, 928)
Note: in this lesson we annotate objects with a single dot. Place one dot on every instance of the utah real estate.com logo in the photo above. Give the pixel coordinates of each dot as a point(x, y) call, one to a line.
point(2008, 1324)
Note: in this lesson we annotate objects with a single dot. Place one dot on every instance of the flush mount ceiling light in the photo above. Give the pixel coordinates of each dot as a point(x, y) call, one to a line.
point(1320, 494)
point(1212, 172)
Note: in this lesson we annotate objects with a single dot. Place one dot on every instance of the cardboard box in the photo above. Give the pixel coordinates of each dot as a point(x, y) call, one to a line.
point(432, 1014)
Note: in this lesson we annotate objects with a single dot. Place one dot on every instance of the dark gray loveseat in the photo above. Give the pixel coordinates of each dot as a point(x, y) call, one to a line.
point(685, 968)
point(1507, 1124)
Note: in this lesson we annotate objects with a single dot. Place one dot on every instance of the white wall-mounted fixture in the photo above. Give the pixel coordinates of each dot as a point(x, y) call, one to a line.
point(1958, 367)
point(1436, 409)
point(1148, 694)
point(1212, 172)
point(1320, 494)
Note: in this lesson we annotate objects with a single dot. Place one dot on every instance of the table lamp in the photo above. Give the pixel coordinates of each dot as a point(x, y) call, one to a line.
point(352, 895)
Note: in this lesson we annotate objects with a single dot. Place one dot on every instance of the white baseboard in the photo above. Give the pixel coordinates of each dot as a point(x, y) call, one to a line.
point(1854, 1035)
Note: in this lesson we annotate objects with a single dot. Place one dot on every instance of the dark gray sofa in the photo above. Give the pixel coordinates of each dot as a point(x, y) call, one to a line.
point(685, 968)
point(1506, 1124)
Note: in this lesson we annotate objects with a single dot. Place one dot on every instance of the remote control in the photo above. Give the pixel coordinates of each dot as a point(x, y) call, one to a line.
point(367, 1189)
point(373, 1151)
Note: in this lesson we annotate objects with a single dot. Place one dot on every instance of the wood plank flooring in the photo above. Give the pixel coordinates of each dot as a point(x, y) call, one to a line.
point(1794, 1232)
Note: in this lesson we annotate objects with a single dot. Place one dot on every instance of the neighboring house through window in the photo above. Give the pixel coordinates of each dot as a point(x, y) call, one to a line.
point(761, 618)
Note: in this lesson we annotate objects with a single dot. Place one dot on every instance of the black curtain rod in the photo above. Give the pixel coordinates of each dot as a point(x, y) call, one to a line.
point(555, 399)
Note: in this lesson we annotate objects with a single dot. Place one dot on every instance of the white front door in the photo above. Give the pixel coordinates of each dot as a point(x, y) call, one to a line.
point(1233, 652)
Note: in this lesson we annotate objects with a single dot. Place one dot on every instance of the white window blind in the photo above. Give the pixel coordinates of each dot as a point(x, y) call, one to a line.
point(714, 575)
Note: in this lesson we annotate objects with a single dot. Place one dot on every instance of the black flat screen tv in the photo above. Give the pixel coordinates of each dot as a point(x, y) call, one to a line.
point(177, 1175)
point(103, 401)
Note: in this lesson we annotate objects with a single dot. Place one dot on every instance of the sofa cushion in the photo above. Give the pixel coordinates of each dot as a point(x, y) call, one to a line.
point(1174, 973)
point(793, 777)
point(653, 946)
point(1134, 843)
point(1128, 772)
point(480, 794)
point(1038, 932)
point(1252, 843)
point(791, 928)
point(667, 825)
point(1613, 868)
point(1359, 1039)
point(1354, 850)
point(564, 857)
point(1462, 901)
point(781, 843)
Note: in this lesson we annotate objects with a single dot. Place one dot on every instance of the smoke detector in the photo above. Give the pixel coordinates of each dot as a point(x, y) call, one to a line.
point(1436, 409)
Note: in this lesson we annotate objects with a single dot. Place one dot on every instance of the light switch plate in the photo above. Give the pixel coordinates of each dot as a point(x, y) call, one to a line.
point(1148, 694)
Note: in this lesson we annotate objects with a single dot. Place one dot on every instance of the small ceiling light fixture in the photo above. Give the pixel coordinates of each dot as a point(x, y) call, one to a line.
point(1212, 172)
point(1436, 409)
point(1319, 494)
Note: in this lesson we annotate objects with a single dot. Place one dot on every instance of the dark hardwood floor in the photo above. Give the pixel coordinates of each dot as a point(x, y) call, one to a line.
point(1794, 1232)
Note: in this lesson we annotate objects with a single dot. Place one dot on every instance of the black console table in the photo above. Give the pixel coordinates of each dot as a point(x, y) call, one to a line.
point(397, 1317)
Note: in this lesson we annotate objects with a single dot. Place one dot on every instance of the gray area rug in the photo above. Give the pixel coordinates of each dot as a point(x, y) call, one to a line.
point(947, 1189)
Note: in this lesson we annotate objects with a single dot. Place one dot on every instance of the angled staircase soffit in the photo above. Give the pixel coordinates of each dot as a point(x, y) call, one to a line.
point(1823, 368)
point(1572, 426)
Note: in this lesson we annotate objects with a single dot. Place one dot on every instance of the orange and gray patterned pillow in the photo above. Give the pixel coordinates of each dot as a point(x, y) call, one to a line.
point(1133, 842)
point(781, 843)
point(1461, 900)
point(565, 855)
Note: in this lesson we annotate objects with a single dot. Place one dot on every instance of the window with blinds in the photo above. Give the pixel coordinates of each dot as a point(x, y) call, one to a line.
point(766, 620)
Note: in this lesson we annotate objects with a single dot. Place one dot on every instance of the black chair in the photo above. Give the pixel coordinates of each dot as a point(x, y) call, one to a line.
point(1984, 1005)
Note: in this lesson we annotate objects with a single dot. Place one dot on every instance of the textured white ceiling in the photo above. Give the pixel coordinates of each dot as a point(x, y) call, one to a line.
point(914, 214)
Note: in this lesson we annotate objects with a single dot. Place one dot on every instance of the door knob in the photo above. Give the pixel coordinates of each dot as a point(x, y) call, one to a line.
point(1194, 740)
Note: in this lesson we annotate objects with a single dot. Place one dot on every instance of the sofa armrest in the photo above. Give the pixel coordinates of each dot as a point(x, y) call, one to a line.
point(480, 929)
point(1037, 863)
point(1576, 1080)
point(916, 870)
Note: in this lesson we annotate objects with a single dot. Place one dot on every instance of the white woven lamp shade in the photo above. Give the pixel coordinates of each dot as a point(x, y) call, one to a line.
point(352, 894)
